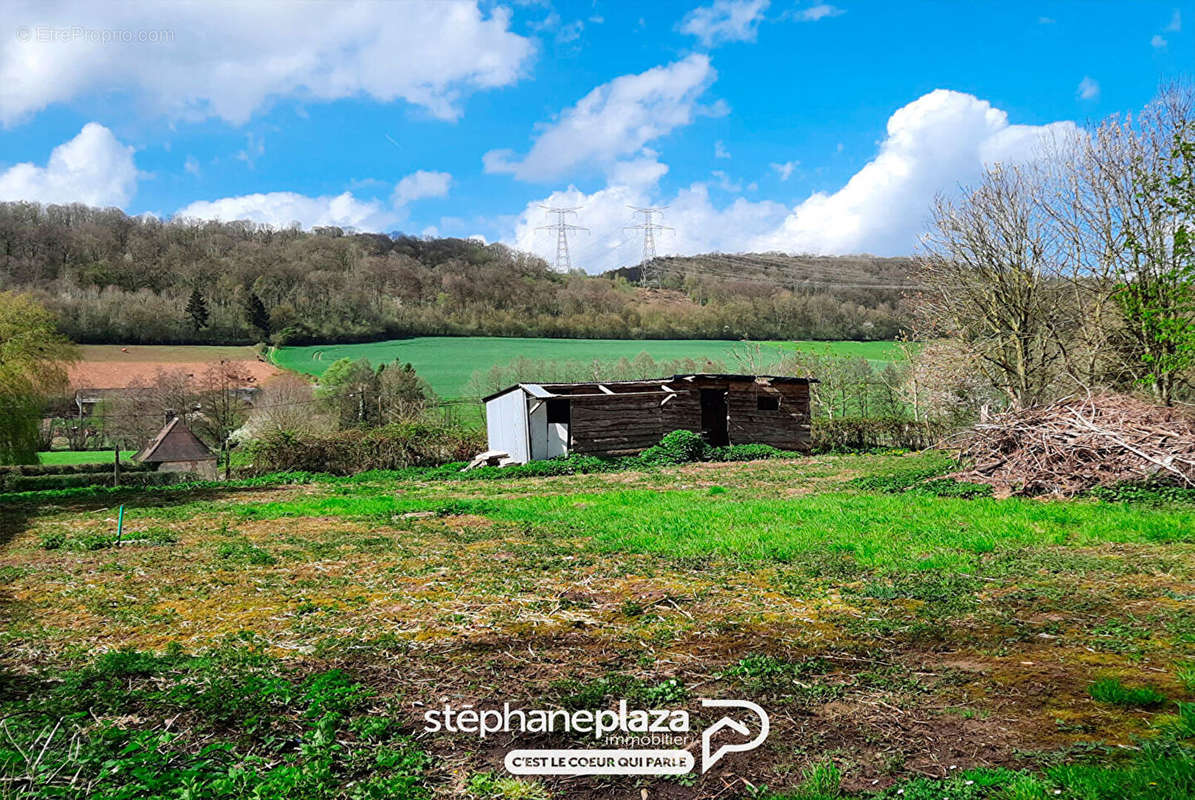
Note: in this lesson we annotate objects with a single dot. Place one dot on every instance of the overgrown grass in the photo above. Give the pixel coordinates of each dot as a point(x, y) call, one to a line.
point(253, 728)
point(866, 622)
point(1113, 692)
point(877, 531)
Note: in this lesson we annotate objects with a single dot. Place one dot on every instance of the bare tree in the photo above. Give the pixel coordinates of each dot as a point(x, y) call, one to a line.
point(286, 403)
point(986, 272)
point(135, 415)
point(222, 406)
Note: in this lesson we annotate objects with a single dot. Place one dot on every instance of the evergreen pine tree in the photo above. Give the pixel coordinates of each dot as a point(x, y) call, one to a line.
point(197, 310)
point(256, 313)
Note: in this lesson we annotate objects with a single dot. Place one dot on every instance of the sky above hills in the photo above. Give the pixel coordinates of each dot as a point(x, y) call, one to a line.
point(809, 127)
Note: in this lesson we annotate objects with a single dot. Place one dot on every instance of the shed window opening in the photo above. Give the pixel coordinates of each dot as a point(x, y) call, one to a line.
point(767, 402)
point(558, 412)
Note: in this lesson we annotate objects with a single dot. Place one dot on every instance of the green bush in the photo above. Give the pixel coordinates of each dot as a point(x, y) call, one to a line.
point(746, 452)
point(678, 447)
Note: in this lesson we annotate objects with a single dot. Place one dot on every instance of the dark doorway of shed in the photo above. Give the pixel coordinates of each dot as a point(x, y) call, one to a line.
point(713, 417)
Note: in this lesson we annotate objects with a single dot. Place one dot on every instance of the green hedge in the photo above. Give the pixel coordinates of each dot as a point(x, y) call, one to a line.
point(38, 483)
point(70, 469)
point(847, 434)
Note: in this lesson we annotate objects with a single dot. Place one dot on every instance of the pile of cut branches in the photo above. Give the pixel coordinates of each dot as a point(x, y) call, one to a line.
point(1079, 443)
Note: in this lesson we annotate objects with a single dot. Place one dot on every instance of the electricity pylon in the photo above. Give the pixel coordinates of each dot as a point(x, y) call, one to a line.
point(649, 276)
point(562, 227)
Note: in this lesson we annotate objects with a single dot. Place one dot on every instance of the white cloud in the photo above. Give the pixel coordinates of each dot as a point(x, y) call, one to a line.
point(818, 12)
point(726, 183)
point(1176, 22)
point(281, 209)
point(614, 121)
point(785, 170)
point(421, 184)
point(1158, 41)
point(638, 173)
point(700, 226)
point(191, 166)
point(934, 144)
point(345, 210)
point(720, 150)
point(1089, 88)
point(227, 59)
point(92, 168)
point(725, 21)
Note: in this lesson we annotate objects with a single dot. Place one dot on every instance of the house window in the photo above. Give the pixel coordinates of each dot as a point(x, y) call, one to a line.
point(558, 411)
point(767, 402)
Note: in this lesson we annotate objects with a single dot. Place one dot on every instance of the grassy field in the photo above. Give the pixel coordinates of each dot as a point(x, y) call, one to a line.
point(275, 640)
point(55, 457)
point(447, 363)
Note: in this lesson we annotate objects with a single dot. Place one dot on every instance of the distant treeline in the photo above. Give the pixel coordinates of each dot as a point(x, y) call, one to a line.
point(116, 278)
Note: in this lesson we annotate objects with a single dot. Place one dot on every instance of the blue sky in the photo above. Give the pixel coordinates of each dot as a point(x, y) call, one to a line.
point(794, 126)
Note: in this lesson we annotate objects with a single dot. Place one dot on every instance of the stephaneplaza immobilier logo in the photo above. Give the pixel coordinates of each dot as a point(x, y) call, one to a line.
point(639, 741)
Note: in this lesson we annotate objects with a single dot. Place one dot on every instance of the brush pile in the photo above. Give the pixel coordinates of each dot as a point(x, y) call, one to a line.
point(1079, 443)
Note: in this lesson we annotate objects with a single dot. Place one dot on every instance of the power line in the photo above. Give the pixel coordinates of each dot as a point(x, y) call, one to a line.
point(562, 227)
point(649, 228)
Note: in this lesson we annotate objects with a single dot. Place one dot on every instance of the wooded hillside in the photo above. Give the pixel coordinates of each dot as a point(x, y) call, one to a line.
point(115, 278)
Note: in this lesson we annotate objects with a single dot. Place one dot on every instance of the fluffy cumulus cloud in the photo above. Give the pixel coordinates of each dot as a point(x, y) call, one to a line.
point(614, 121)
point(345, 210)
point(725, 21)
point(92, 168)
point(192, 60)
point(421, 184)
point(283, 209)
point(933, 145)
point(699, 225)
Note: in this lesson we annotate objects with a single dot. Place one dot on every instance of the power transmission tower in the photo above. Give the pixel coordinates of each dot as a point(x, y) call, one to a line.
point(649, 275)
point(562, 227)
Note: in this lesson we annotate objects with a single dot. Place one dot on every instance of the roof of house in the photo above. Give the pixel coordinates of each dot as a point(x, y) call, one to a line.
point(550, 390)
point(175, 442)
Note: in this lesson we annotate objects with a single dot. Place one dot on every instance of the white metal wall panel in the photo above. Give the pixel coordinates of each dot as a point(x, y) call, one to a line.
point(557, 439)
point(506, 424)
point(537, 420)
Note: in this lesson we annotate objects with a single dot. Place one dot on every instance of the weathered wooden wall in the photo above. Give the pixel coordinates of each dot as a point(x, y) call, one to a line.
point(617, 425)
point(788, 427)
point(613, 425)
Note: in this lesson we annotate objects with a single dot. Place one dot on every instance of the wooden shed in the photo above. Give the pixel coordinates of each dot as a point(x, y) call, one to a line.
point(532, 421)
point(176, 449)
